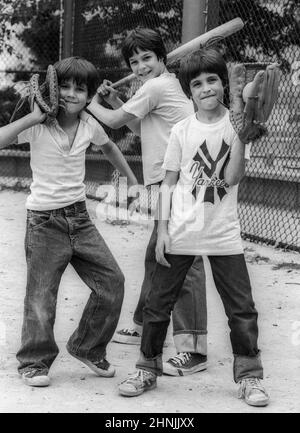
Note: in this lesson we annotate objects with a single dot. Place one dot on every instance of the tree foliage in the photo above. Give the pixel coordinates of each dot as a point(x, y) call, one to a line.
point(39, 31)
point(269, 29)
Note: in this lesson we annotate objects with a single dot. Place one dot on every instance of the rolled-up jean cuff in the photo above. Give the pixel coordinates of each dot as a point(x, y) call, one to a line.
point(191, 341)
point(150, 364)
point(247, 366)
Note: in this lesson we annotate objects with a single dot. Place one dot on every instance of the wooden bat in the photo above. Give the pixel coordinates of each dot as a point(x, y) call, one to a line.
point(208, 38)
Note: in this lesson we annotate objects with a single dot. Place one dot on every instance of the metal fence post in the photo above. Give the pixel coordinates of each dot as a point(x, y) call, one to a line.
point(67, 31)
point(193, 19)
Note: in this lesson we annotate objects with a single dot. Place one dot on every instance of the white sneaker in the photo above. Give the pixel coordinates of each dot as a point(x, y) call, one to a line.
point(36, 377)
point(252, 391)
point(137, 383)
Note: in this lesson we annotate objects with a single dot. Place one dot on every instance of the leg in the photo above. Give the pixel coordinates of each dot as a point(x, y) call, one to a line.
point(95, 264)
point(47, 254)
point(165, 288)
point(150, 263)
point(133, 334)
point(190, 325)
point(190, 312)
point(233, 284)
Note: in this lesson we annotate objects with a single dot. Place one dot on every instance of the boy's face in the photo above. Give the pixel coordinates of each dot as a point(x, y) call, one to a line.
point(206, 89)
point(146, 65)
point(75, 96)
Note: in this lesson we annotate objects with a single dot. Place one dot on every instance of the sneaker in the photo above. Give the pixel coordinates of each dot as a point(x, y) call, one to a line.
point(36, 377)
point(137, 383)
point(102, 368)
point(253, 392)
point(128, 336)
point(185, 363)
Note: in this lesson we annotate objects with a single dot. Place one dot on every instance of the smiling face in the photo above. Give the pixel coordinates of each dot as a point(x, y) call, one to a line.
point(146, 65)
point(206, 89)
point(74, 95)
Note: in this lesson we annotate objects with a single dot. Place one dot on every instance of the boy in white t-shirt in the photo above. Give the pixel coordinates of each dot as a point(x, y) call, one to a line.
point(59, 230)
point(151, 113)
point(204, 163)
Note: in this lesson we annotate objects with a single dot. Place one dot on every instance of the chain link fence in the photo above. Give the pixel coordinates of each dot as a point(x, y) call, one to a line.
point(269, 195)
point(30, 40)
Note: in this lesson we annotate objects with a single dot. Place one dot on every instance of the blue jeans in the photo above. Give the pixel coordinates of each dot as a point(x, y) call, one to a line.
point(190, 313)
point(54, 239)
point(232, 282)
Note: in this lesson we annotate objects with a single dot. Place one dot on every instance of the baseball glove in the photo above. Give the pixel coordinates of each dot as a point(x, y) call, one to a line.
point(248, 118)
point(46, 95)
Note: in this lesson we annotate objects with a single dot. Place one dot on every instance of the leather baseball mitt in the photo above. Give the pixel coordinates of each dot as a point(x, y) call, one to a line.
point(46, 95)
point(248, 118)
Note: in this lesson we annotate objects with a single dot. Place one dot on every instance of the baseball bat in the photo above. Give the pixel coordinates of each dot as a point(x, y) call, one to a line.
point(208, 38)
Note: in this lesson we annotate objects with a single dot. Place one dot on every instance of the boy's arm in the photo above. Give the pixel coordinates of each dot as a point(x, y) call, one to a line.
point(110, 95)
point(9, 133)
point(115, 156)
point(164, 209)
point(115, 119)
point(235, 168)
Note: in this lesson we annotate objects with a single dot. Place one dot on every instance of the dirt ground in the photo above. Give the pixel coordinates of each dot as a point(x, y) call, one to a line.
point(275, 276)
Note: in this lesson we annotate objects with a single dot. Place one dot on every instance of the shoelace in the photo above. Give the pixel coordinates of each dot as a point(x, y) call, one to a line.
point(181, 358)
point(139, 375)
point(103, 364)
point(35, 372)
point(254, 383)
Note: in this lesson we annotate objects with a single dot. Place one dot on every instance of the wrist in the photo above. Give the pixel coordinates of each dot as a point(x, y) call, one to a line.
point(30, 120)
point(162, 228)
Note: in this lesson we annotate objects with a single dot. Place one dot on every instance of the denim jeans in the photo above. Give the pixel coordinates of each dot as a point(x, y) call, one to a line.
point(232, 282)
point(190, 313)
point(54, 239)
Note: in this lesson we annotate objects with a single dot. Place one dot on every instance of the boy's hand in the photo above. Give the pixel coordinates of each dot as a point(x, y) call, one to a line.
point(45, 95)
point(162, 247)
point(248, 115)
point(37, 115)
point(107, 93)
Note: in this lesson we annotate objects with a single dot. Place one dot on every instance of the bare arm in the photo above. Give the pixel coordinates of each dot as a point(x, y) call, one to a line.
point(9, 133)
point(113, 118)
point(115, 156)
point(165, 200)
point(235, 168)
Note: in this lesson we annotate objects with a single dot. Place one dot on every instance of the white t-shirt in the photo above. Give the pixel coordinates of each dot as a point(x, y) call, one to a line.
point(160, 103)
point(204, 218)
point(58, 171)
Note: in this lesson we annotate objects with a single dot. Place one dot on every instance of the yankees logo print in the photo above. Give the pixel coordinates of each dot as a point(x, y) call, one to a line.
point(204, 164)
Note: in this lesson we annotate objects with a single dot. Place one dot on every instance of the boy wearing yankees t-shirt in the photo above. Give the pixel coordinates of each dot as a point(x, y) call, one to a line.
point(204, 162)
point(151, 113)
